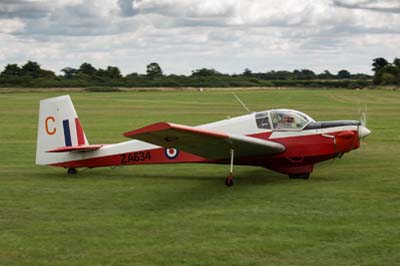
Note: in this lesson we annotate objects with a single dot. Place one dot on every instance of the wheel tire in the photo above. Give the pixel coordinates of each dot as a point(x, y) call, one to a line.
point(71, 171)
point(229, 182)
point(305, 176)
point(300, 176)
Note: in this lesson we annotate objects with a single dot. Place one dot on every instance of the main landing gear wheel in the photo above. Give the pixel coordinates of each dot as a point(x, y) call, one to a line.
point(72, 171)
point(300, 176)
point(229, 181)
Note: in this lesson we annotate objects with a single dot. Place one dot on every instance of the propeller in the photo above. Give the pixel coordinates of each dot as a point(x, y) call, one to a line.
point(362, 129)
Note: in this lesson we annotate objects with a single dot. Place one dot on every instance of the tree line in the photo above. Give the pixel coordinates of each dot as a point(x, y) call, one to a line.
point(386, 73)
point(32, 75)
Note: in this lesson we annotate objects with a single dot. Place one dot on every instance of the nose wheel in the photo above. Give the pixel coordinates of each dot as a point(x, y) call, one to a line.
point(229, 179)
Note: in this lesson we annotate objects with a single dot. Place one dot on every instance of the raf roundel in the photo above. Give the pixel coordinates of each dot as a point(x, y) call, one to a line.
point(171, 153)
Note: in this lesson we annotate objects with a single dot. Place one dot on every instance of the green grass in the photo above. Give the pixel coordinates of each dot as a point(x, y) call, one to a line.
point(348, 213)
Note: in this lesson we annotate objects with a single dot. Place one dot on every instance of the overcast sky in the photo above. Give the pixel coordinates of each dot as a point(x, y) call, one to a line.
point(183, 35)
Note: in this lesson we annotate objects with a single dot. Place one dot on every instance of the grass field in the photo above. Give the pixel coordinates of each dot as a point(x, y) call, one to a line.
point(348, 213)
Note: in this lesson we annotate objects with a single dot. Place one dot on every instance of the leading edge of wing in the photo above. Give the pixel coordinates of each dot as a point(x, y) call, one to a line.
point(165, 126)
point(206, 143)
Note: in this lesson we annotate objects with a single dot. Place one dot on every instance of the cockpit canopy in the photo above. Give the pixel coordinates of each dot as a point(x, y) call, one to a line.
point(282, 119)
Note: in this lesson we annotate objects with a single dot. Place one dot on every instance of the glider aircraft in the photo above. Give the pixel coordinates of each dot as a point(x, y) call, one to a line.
point(283, 140)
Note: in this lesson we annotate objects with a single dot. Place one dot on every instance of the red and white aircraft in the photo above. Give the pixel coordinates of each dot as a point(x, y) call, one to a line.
point(283, 140)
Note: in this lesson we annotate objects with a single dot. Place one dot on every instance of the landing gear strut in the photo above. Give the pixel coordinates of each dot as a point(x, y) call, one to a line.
point(229, 179)
point(300, 176)
point(72, 171)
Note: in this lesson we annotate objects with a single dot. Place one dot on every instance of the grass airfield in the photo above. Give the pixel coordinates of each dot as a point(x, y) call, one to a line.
point(348, 213)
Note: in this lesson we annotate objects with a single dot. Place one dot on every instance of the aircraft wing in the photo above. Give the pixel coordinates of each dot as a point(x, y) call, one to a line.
point(206, 143)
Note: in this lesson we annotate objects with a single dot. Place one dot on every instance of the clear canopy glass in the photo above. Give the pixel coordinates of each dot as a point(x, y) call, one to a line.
point(282, 119)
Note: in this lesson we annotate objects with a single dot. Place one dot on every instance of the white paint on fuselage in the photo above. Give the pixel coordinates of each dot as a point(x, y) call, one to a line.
point(240, 125)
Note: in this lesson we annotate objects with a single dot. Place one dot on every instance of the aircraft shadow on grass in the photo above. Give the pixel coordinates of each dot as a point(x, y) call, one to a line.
point(180, 192)
point(256, 177)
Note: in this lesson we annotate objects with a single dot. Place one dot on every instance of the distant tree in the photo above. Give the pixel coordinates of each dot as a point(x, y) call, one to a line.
point(132, 75)
point(87, 69)
point(308, 74)
point(396, 62)
point(12, 70)
point(203, 72)
point(379, 63)
point(153, 70)
point(280, 74)
point(69, 72)
point(43, 73)
point(381, 78)
point(304, 74)
point(388, 79)
point(114, 72)
point(391, 69)
point(326, 75)
point(343, 74)
point(111, 72)
point(31, 69)
point(360, 76)
point(247, 72)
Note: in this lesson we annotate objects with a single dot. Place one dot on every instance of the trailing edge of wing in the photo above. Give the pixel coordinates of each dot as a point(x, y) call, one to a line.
point(205, 143)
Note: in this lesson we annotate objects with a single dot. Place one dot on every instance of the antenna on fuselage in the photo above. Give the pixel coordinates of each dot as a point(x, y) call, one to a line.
point(240, 101)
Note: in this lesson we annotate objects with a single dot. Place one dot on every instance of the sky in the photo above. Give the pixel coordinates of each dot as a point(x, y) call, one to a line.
point(184, 35)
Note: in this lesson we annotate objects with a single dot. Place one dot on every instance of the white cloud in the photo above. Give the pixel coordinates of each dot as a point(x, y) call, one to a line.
point(11, 25)
point(192, 8)
point(386, 6)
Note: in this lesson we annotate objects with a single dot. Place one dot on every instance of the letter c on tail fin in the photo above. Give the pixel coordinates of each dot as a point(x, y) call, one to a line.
point(53, 130)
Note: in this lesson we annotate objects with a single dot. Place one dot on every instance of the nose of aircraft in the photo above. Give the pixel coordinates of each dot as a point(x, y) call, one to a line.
point(363, 132)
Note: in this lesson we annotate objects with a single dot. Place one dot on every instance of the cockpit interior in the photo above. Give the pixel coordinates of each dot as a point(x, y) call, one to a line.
point(282, 119)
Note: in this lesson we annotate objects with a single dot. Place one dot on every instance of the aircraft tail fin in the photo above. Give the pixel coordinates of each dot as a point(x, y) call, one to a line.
point(59, 127)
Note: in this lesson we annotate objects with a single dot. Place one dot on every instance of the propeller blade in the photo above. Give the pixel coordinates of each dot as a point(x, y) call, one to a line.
point(363, 116)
